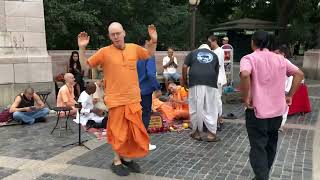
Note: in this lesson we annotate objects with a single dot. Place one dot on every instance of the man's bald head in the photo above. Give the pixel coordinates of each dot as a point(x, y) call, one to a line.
point(69, 78)
point(115, 26)
point(116, 35)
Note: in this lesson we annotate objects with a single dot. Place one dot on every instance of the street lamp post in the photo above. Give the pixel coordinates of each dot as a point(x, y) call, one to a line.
point(194, 4)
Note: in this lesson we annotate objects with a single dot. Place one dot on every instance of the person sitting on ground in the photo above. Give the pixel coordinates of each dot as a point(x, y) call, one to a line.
point(25, 110)
point(170, 65)
point(90, 116)
point(66, 95)
point(178, 97)
point(98, 96)
point(167, 112)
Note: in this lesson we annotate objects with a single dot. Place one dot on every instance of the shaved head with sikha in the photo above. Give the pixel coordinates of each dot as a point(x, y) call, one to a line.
point(69, 78)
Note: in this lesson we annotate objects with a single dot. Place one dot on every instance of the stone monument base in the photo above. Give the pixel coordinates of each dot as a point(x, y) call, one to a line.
point(311, 64)
point(10, 91)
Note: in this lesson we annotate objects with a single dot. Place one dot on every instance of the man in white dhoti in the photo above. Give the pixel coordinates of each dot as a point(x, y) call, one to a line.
point(98, 96)
point(203, 67)
point(222, 79)
point(88, 112)
point(285, 52)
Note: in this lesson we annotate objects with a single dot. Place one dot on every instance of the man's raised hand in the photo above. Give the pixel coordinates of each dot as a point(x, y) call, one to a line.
point(83, 40)
point(153, 33)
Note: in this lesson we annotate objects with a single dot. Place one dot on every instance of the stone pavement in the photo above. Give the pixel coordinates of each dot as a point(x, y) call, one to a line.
point(30, 152)
point(316, 152)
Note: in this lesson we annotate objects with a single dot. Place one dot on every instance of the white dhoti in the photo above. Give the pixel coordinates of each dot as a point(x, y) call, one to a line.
point(85, 117)
point(284, 116)
point(219, 95)
point(203, 107)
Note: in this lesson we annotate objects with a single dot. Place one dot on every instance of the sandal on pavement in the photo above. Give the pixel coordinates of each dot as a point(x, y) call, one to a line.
point(215, 139)
point(132, 166)
point(194, 137)
point(119, 170)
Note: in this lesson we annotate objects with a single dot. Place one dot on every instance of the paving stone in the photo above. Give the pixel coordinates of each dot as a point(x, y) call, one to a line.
point(35, 141)
point(177, 155)
point(231, 177)
point(47, 176)
point(4, 172)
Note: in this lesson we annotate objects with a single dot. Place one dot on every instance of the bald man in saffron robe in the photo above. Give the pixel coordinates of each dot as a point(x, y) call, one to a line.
point(125, 129)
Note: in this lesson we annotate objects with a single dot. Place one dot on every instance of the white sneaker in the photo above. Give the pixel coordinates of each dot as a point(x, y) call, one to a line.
point(152, 147)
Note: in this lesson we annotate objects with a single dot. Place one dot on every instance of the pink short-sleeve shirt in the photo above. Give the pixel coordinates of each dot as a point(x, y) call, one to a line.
point(268, 75)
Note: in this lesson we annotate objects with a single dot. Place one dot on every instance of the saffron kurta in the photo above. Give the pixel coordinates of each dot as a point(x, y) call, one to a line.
point(125, 130)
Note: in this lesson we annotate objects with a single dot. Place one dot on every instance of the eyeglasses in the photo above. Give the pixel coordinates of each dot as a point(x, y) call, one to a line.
point(116, 34)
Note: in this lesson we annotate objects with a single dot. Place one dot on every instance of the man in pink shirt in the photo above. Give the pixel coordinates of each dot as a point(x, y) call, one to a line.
point(262, 79)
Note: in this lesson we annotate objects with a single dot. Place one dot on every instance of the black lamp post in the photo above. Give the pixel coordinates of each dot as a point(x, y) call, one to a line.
point(194, 4)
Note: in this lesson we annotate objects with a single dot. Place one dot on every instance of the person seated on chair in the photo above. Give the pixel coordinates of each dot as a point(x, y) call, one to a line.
point(166, 110)
point(65, 96)
point(89, 115)
point(25, 110)
point(98, 96)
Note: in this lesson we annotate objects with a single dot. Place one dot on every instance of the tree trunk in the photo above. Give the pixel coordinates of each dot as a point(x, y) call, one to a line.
point(285, 9)
point(317, 46)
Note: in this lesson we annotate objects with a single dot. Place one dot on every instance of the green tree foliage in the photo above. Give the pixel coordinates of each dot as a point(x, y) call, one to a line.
point(66, 18)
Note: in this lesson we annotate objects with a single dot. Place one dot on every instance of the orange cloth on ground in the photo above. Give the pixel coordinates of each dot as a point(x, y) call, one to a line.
point(66, 95)
point(126, 132)
point(156, 103)
point(167, 111)
point(180, 95)
point(121, 84)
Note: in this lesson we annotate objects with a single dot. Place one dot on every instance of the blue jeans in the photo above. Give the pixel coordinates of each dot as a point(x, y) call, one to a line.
point(174, 76)
point(29, 117)
point(146, 103)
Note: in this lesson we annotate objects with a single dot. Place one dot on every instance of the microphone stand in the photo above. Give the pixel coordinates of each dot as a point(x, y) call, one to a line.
point(80, 143)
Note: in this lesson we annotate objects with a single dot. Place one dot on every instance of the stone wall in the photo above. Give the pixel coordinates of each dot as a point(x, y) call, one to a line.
point(311, 64)
point(24, 60)
point(60, 59)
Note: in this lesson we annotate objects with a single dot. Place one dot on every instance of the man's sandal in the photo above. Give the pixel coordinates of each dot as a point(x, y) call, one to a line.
point(196, 138)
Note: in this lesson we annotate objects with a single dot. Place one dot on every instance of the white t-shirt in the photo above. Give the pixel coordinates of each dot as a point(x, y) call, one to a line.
point(171, 69)
point(222, 79)
point(86, 101)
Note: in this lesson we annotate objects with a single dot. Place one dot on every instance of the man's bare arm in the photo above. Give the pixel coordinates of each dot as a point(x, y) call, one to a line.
point(168, 64)
point(83, 41)
point(39, 102)
point(174, 64)
point(15, 104)
point(297, 78)
point(152, 44)
point(184, 82)
point(245, 87)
